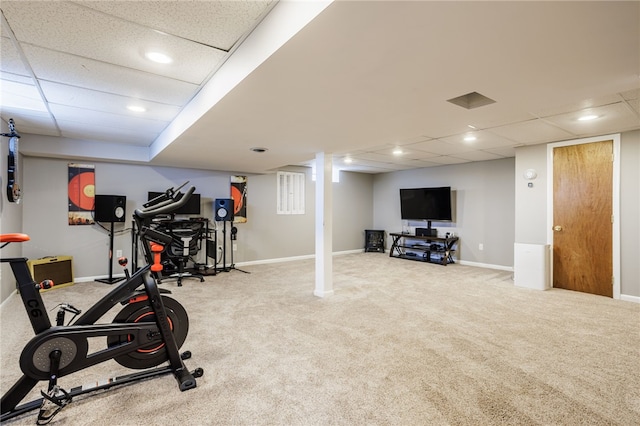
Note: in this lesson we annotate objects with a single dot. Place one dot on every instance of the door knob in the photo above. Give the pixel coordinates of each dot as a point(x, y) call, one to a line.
point(557, 228)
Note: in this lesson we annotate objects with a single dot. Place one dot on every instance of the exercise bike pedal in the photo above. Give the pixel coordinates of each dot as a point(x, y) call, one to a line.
point(52, 403)
point(185, 355)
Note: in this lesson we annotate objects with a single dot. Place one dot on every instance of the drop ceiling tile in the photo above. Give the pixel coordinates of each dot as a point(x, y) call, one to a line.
point(358, 161)
point(531, 132)
point(635, 105)
point(446, 159)
point(4, 30)
point(509, 151)
point(415, 139)
point(5, 76)
point(215, 23)
point(367, 169)
point(438, 147)
point(11, 61)
point(406, 154)
point(106, 102)
point(631, 94)
point(429, 164)
point(484, 140)
point(108, 39)
point(116, 121)
point(375, 156)
point(586, 103)
point(22, 96)
point(99, 133)
point(388, 167)
point(29, 121)
point(478, 156)
point(94, 75)
point(612, 118)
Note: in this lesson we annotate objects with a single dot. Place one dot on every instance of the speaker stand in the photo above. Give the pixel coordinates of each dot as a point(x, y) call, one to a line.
point(233, 265)
point(224, 248)
point(110, 279)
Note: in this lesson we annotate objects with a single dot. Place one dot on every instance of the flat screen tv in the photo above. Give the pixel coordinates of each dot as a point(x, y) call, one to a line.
point(431, 204)
point(192, 206)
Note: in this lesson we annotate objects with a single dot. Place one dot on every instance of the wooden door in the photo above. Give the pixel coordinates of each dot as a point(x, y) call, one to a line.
point(582, 217)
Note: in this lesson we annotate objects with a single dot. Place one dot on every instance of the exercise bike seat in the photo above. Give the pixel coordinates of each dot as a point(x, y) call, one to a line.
point(14, 238)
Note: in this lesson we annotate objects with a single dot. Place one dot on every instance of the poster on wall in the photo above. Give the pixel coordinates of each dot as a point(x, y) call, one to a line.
point(239, 195)
point(81, 190)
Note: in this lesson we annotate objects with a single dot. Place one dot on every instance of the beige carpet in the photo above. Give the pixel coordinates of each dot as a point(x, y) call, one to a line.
point(400, 343)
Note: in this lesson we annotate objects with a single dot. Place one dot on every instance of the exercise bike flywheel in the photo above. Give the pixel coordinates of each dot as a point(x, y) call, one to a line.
point(155, 353)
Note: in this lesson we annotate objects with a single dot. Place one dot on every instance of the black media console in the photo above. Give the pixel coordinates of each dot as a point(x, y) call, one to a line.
point(423, 248)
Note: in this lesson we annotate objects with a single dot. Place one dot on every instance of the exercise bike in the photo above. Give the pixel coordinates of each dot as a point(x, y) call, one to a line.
point(148, 331)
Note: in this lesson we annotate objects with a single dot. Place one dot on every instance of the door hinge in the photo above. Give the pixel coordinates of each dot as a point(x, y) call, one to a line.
point(613, 280)
point(612, 218)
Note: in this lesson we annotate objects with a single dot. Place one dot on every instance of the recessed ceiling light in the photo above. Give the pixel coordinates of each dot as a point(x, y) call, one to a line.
point(397, 151)
point(469, 138)
point(588, 117)
point(158, 57)
point(136, 108)
point(348, 160)
point(471, 126)
point(258, 150)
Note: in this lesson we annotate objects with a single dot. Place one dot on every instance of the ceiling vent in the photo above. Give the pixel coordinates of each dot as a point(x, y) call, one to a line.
point(471, 100)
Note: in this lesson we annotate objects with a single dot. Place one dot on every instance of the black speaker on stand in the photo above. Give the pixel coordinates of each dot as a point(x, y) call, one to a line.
point(223, 212)
point(110, 208)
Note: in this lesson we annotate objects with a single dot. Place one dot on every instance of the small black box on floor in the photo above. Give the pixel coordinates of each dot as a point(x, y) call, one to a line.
point(373, 240)
point(426, 232)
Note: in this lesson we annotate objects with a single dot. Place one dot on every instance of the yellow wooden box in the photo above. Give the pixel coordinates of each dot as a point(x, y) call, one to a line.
point(58, 269)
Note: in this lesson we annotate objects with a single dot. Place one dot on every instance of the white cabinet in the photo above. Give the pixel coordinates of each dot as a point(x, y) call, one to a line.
point(531, 266)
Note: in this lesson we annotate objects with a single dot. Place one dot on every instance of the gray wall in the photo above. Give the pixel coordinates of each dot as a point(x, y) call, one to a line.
point(266, 235)
point(483, 203)
point(531, 205)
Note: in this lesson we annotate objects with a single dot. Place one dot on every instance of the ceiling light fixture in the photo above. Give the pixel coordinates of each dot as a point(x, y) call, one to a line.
point(136, 108)
point(397, 151)
point(588, 117)
point(471, 126)
point(348, 160)
point(469, 138)
point(158, 57)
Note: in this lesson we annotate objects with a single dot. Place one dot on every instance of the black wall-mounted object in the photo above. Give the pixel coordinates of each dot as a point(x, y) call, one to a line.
point(426, 204)
point(223, 209)
point(110, 208)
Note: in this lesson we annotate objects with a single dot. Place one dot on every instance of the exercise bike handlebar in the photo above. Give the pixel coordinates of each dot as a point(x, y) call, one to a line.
point(165, 207)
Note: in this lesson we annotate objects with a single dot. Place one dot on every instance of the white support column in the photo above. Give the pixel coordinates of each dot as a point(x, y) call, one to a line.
point(324, 225)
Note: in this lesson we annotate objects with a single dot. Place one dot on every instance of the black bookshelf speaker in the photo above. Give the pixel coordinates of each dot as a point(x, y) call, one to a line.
point(223, 209)
point(110, 208)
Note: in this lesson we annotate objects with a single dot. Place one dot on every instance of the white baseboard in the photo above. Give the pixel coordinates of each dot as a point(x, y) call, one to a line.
point(627, 298)
point(486, 265)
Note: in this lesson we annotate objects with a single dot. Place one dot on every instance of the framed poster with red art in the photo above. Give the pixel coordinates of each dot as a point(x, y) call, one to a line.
point(239, 195)
point(81, 190)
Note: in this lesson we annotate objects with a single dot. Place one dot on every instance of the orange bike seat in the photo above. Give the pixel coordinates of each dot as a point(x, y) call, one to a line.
point(14, 238)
